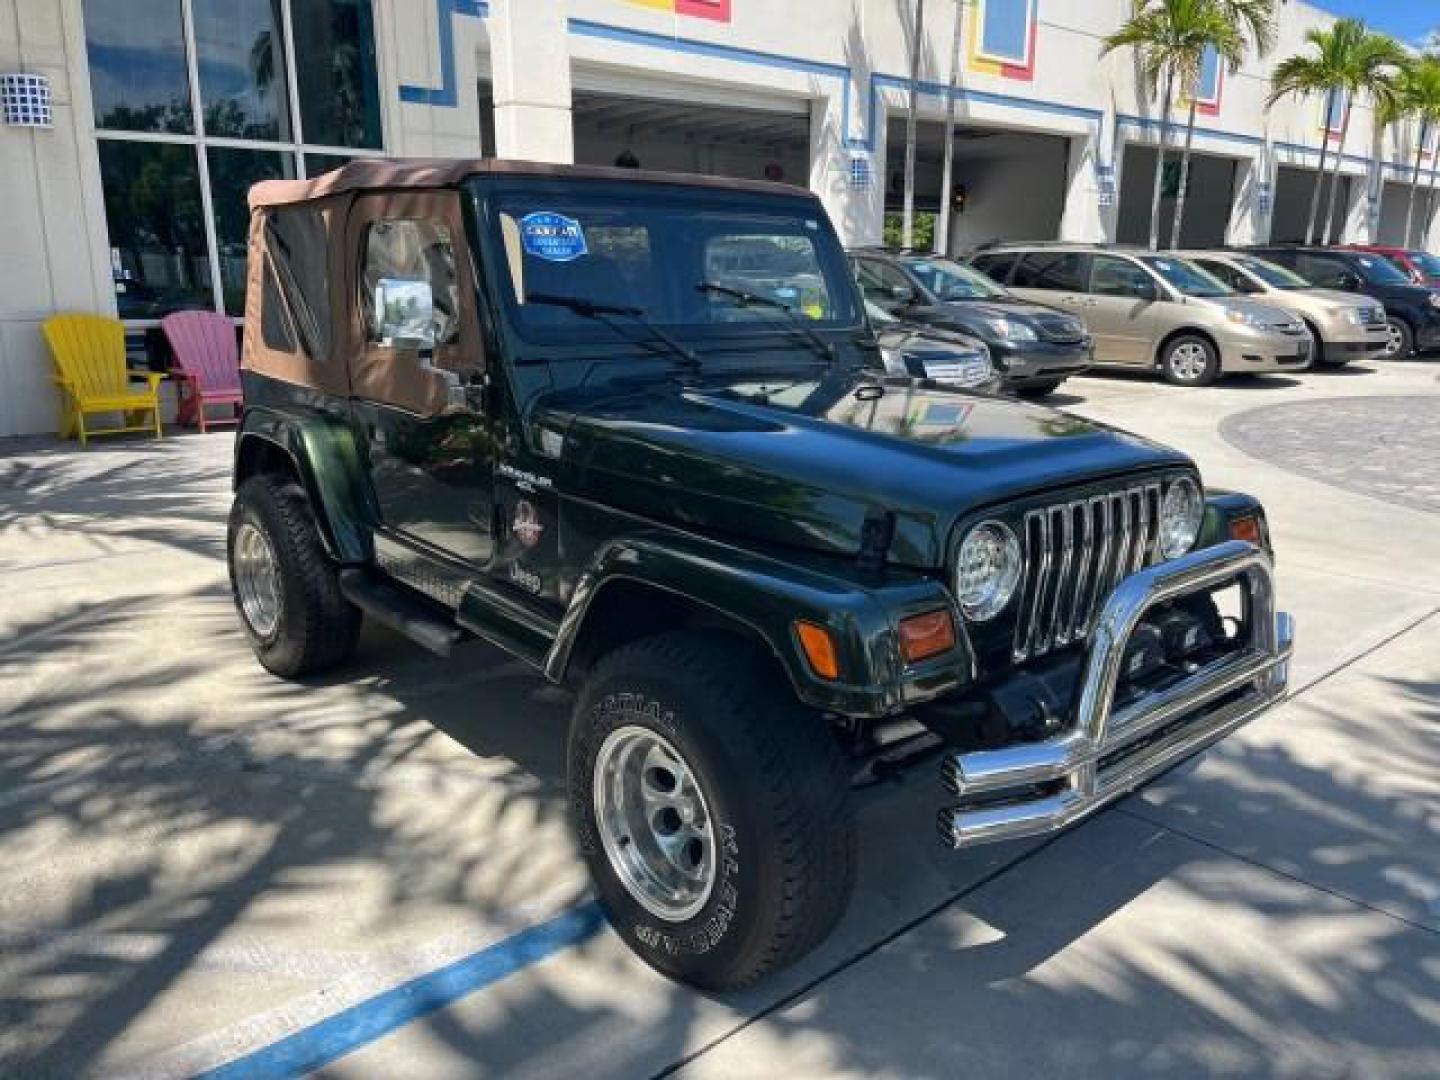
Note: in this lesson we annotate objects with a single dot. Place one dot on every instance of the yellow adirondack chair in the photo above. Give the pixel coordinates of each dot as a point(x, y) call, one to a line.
point(89, 354)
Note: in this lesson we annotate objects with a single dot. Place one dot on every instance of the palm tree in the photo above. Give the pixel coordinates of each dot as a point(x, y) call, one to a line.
point(1422, 95)
point(1170, 39)
point(1353, 61)
point(1252, 20)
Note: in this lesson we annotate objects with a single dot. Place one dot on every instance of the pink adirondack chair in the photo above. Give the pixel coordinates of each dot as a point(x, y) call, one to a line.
point(207, 360)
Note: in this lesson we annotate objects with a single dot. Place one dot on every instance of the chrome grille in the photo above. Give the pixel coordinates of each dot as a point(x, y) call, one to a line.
point(1075, 554)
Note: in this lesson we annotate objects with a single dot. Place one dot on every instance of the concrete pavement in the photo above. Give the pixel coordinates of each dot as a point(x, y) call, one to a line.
point(201, 860)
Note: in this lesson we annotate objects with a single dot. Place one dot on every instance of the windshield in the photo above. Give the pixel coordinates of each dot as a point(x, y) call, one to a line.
point(1379, 270)
point(1272, 274)
point(953, 281)
point(677, 258)
point(1427, 264)
point(877, 315)
point(1187, 277)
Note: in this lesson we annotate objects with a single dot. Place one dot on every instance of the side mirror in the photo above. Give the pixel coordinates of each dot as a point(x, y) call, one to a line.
point(1348, 281)
point(404, 314)
point(1145, 289)
point(899, 294)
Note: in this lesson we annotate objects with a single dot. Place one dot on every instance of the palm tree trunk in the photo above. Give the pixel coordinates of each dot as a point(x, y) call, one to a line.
point(1335, 182)
point(1320, 172)
point(1184, 174)
point(1160, 162)
point(942, 226)
point(1415, 181)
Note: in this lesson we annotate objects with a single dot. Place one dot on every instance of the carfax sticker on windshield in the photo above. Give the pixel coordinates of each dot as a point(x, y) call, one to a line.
point(552, 237)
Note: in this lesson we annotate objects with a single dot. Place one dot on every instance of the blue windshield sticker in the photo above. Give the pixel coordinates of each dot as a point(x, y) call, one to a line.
point(552, 237)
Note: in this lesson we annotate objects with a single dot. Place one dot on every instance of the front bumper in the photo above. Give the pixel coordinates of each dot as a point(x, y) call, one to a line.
point(1252, 350)
point(1041, 361)
point(1105, 752)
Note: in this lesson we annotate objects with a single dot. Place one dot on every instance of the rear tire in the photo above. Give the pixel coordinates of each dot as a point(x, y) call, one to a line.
point(767, 828)
point(1035, 391)
point(1190, 360)
point(286, 589)
point(1402, 340)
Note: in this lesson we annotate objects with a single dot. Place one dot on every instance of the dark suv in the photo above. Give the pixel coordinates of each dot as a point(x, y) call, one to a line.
point(1034, 347)
point(1412, 312)
point(544, 406)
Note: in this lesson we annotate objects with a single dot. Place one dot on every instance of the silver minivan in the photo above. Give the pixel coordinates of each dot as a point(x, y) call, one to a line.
point(1154, 310)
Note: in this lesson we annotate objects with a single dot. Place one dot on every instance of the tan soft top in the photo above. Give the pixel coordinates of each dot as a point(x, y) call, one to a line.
point(371, 173)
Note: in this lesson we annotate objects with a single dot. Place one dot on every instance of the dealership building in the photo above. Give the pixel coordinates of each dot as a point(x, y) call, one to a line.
point(133, 128)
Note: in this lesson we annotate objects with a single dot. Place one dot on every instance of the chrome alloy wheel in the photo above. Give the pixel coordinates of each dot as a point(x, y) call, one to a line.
point(257, 580)
point(654, 823)
point(1394, 340)
point(1188, 361)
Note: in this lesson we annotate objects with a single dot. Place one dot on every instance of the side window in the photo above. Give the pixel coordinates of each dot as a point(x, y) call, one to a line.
point(411, 250)
point(1284, 258)
point(1061, 270)
point(1114, 276)
point(274, 319)
point(298, 246)
point(996, 267)
point(1228, 274)
point(879, 281)
point(1321, 269)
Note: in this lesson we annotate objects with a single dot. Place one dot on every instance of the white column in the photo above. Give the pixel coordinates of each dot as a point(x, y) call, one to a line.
point(1358, 211)
point(530, 54)
point(428, 75)
point(1086, 218)
point(1252, 202)
point(849, 180)
point(52, 228)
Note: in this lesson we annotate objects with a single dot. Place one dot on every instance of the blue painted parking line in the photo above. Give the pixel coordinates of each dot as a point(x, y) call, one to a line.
point(318, 1045)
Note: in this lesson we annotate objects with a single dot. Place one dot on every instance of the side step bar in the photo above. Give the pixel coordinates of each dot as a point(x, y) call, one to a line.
point(399, 610)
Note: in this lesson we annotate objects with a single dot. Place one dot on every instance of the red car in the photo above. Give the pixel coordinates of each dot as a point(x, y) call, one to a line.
point(1419, 266)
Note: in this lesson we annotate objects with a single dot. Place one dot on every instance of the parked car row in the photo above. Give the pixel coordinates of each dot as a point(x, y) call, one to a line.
point(1047, 311)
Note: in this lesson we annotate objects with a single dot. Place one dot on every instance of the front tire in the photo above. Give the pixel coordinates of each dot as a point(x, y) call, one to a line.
point(1402, 340)
point(286, 589)
point(1190, 360)
point(1035, 391)
point(712, 810)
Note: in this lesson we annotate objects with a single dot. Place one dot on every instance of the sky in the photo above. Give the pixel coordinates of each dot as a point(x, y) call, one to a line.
point(1409, 20)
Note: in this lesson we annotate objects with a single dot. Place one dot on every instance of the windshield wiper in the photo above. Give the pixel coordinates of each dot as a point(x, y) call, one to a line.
point(746, 299)
point(595, 309)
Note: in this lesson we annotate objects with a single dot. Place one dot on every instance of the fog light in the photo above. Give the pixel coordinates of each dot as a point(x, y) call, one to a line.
point(1245, 528)
point(1144, 654)
point(819, 649)
point(924, 636)
point(1181, 634)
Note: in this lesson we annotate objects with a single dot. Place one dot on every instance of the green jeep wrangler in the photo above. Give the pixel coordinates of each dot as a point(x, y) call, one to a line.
point(554, 408)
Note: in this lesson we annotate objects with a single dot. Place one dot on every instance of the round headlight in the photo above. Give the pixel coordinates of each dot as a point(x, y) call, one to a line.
point(987, 570)
point(1180, 517)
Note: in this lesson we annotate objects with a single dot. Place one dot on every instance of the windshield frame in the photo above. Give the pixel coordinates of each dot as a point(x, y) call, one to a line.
point(1152, 261)
point(1248, 264)
point(493, 197)
point(994, 290)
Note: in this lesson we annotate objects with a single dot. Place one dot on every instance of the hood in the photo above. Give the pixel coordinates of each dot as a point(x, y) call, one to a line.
point(1335, 296)
point(964, 311)
point(800, 461)
point(919, 340)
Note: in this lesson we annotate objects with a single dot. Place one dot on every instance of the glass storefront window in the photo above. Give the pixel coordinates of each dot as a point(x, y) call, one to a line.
point(241, 57)
point(231, 174)
point(167, 152)
point(138, 78)
point(339, 90)
point(158, 253)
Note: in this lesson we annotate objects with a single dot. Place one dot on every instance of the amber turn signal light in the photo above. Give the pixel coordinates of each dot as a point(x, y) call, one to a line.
point(1245, 528)
point(927, 635)
point(819, 649)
